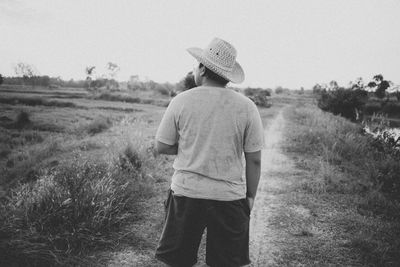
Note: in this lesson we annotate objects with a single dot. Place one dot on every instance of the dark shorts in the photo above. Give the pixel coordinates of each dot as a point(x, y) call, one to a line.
point(227, 224)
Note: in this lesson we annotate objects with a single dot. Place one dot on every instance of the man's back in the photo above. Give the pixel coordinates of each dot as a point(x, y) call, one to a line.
point(214, 126)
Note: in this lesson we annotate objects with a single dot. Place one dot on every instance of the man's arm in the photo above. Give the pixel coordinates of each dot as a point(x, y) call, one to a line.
point(163, 148)
point(253, 170)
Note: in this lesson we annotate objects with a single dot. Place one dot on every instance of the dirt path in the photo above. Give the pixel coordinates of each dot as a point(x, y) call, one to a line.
point(265, 237)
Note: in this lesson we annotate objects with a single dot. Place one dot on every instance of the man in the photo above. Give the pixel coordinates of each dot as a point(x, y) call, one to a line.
point(209, 128)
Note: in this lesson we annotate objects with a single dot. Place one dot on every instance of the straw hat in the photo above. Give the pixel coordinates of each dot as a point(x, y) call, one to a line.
point(220, 57)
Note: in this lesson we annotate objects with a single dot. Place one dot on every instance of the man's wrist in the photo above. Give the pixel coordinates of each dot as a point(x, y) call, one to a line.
point(250, 196)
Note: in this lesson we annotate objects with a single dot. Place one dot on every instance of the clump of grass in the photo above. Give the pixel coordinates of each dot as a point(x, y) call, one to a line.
point(98, 125)
point(69, 211)
point(130, 158)
point(22, 119)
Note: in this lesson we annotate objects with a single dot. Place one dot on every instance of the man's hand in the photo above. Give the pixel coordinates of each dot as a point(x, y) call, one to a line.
point(250, 202)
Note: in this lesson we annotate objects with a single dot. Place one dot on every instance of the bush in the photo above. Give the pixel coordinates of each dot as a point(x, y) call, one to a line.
point(257, 91)
point(22, 119)
point(258, 96)
point(344, 102)
point(162, 89)
point(260, 101)
point(98, 125)
point(279, 90)
point(67, 212)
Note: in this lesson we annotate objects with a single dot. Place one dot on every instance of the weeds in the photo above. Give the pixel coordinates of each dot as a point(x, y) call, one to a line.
point(70, 210)
point(347, 164)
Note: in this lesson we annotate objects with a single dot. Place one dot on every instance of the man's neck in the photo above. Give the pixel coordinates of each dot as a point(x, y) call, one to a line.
point(208, 82)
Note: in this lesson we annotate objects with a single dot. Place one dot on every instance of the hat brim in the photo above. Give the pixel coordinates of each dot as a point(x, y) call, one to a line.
point(235, 76)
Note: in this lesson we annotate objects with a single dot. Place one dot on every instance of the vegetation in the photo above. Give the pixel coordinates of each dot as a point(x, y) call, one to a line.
point(98, 125)
point(352, 170)
point(35, 101)
point(65, 195)
point(259, 96)
point(343, 102)
point(69, 211)
point(357, 101)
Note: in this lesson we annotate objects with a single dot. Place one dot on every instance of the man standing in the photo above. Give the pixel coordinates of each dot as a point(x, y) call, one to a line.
point(209, 128)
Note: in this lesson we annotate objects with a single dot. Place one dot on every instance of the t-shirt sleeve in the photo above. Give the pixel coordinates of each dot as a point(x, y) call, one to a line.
point(254, 133)
point(167, 132)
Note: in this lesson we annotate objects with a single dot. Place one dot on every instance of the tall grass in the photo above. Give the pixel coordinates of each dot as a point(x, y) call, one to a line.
point(70, 210)
point(350, 168)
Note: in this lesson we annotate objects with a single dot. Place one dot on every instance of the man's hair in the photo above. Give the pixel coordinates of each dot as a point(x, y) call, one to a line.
point(215, 77)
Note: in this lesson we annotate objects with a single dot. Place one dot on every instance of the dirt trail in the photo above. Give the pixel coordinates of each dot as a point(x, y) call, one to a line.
point(264, 236)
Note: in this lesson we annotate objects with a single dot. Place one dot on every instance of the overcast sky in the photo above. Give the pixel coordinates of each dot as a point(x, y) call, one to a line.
point(287, 43)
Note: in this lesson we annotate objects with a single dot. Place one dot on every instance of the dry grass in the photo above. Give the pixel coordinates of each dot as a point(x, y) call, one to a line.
point(67, 193)
point(354, 180)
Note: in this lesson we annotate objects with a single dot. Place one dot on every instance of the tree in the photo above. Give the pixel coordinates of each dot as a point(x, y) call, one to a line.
point(26, 71)
point(346, 102)
point(358, 84)
point(333, 85)
point(188, 81)
point(89, 74)
point(1, 79)
point(381, 85)
point(113, 70)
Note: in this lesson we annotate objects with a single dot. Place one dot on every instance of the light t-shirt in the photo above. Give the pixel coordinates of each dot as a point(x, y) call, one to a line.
point(213, 127)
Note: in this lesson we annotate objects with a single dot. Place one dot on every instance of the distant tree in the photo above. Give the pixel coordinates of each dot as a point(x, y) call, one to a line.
point(317, 89)
point(346, 102)
point(188, 81)
point(26, 71)
point(89, 74)
point(1, 79)
point(333, 85)
point(279, 90)
point(358, 84)
point(113, 70)
point(381, 85)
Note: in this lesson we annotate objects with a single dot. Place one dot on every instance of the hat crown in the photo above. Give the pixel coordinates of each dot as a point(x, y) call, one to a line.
point(221, 53)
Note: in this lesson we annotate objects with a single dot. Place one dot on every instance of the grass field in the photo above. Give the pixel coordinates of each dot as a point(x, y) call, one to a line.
point(79, 182)
point(75, 168)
